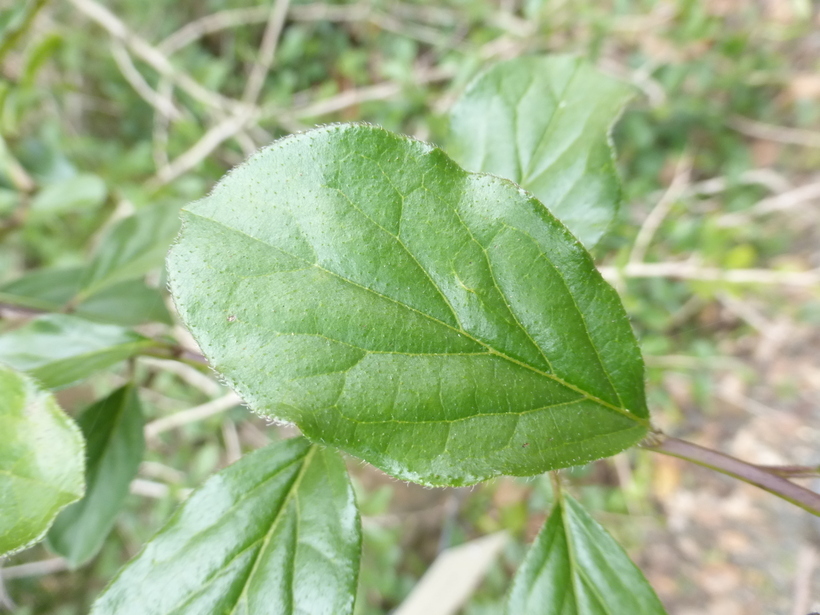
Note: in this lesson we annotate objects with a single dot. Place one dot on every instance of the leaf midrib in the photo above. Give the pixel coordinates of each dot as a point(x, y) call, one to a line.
point(274, 524)
point(490, 349)
point(298, 459)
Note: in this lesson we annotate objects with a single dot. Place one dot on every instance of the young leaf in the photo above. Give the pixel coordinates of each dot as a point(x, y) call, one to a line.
point(441, 325)
point(41, 461)
point(277, 532)
point(58, 349)
point(576, 567)
point(544, 122)
point(114, 445)
point(131, 248)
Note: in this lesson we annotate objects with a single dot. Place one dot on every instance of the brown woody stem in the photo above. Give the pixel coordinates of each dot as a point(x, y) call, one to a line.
point(768, 479)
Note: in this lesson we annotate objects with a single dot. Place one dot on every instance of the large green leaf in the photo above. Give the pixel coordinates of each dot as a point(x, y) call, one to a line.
point(544, 123)
point(114, 445)
point(576, 568)
point(126, 303)
point(41, 461)
point(441, 325)
point(132, 247)
point(277, 532)
point(58, 349)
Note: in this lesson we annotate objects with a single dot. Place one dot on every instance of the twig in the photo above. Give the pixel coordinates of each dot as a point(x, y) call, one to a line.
point(20, 178)
point(232, 18)
point(779, 202)
point(151, 55)
point(186, 373)
point(425, 34)
point(233, 448)
point(679, 182)
point(353, 97)
point(34, 569)
point(148, 488)
point(267, 49)
point(215, 22)
point(212, 139)
point(153, 469)
point(159, 137)
point(768, 178)
point(5, 600)
point(745, 312)
point(197, 413)
point(793, 471)
point(780, 134)
point(806, 563)
point(681, 361)
point(692, 271)
point(754, 475)
point(163, 105)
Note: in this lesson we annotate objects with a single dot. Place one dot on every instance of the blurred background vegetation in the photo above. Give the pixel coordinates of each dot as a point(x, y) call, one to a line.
point(116, 108)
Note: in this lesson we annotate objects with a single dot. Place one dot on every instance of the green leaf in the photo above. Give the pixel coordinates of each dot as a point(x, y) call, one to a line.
point(544, 122)
point(58, 349)
point(43, 289)
point(132, 247)
point(83, 192)
point(441, 325)
point(41, 461)
point(126, 303)
point(114, 446)
point(576, 567)
point(277, 532)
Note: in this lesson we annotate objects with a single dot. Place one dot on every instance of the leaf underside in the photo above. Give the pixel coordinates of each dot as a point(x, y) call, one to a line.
point(544, 122)
point(439, 324)
point(276, 532)
point(576, 568)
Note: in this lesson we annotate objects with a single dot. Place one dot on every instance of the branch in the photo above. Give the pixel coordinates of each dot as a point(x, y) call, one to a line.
point(353, 97)
point(264, 59)
point(683, 171)
point(197, 413)
point(162, 104)
point(779, 134)
point(213, 138)
point(779, 202)
point(151, 55)
point(692, 271)
point(34, 569)
point(767, 479)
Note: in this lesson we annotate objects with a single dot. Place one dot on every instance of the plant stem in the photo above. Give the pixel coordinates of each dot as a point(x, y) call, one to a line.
point(767, 479)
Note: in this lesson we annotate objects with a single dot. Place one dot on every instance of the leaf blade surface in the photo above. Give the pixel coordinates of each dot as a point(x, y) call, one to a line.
point(439, 324)
point(576, 567)
point(276, 532)
point(544, 122)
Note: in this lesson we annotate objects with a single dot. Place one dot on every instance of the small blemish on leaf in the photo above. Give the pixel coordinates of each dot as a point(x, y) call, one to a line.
point(231, 318)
